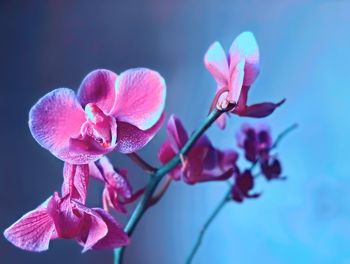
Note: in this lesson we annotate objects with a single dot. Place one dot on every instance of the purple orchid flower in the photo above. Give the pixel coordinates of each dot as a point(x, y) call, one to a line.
point(202, 163)
point(234, 74)
point(244, 183)
point(67, 218)
point(109, 112)
point(257, 143)
point(117, 191)
point(272, 169)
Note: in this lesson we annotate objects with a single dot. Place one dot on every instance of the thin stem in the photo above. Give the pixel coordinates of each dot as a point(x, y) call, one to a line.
point(206, 225)
point(142, 163)
point(283, 134)
point(156, 197)
point(158, 175)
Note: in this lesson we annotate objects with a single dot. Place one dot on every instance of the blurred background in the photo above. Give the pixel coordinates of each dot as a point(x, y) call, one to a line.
point(305, 50)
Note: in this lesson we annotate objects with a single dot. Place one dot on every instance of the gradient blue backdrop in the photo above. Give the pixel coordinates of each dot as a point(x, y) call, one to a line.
point(304, 48)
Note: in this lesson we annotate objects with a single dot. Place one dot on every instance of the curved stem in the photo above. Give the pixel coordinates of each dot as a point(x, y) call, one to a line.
point(211, 218)
point(283, 134)
point(157, 176)
point(142, 163)
point(156, 197)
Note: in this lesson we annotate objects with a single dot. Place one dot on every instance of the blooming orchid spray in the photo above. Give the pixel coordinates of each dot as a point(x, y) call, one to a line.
point(112, 112)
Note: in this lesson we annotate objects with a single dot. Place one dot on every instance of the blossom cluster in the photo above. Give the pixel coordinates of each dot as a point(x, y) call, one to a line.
point(123, 113)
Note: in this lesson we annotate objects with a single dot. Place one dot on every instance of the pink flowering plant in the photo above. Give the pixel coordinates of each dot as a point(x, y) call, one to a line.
point(112, 112)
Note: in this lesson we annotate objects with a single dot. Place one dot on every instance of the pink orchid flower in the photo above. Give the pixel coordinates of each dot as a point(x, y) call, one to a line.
point(109, 112)
point(67, 218)
point(117, 191)
point(244, 183)
point(202, 163)
point(234, 74)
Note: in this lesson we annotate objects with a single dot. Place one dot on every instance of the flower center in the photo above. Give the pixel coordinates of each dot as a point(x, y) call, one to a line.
point(99, 126)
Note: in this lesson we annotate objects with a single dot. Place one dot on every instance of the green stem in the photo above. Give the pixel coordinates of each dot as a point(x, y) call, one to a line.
point(283, 134)
point(157, 176)
point(206, 226)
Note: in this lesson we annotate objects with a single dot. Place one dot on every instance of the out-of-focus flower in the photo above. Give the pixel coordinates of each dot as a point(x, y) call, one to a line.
point(244, 183)
point(255, 141)
point(234, 74)
point(67, 218)
point(202, 163)
point(271, 168)
point(257, 144)
point(117, 191)
point(110, 112)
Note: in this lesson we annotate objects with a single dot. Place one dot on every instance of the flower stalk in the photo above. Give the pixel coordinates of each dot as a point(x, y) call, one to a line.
point(158, 176)
point(204, 229)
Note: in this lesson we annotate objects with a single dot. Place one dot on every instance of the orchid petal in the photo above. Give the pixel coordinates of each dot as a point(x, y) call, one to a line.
point(93, 228)
point(209, 176)
point(236, 76)
point(95, 172)
point(261, 110)
point(131, 139)
point(176, 133)
point(242, 101)
point(215, 61)
point(140, 98)
point(227, 159)
point(76, 179)
point(106, 165)
point(54, 119)
point(245, 47)
point(98, 87)
point(221, 121)
point(116, 237)
point(166, 152)
point(67, 220)
point(33, 231)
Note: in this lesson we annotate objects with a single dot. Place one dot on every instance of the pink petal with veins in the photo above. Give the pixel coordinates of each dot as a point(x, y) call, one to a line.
point(140, 98)
point(116, 237)
point(33, 231)
point(76, 179)
point(67, 219)
point(98, 87)
point(93, 228)
point(131, 139)
point(54, 119)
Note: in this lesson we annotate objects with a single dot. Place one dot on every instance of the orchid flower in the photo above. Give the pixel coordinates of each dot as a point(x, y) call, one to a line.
point(202, 163)
point(255, 141)
point(67, 218)
point(272, 169)
point(234, 74)
point(109, 112)
point(117, 191)
point(244, 183)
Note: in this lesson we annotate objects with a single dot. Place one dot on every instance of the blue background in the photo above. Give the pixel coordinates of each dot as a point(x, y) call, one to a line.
point(304, 48)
